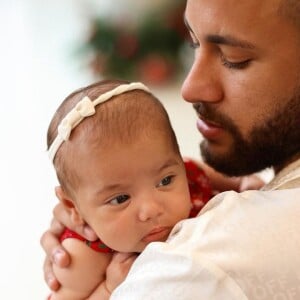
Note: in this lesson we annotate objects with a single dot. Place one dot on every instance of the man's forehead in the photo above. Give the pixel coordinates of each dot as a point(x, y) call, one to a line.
point(233, 19)
point(234, 8)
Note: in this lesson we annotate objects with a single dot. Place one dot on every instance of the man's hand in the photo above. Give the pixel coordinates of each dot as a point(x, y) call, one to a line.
point(251, 182)
point(118, 269)
point(55, 253)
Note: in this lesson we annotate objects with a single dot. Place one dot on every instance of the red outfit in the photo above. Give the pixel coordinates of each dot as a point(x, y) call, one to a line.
point(97, 245)
point(199, 186)
point(200, 191)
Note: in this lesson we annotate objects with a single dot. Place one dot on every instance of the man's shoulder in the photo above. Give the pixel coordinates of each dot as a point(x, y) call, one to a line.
point(254, 199)
point(251, 236)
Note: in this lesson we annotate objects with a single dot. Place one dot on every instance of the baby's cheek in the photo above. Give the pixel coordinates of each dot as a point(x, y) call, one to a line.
point(119, 237)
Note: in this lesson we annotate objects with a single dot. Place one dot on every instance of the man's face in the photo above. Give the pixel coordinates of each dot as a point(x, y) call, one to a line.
point(244, 83)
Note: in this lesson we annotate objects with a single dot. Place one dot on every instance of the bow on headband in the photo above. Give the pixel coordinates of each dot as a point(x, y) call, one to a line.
point(85, 108)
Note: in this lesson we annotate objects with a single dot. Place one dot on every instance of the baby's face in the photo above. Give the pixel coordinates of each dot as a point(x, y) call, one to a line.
point(132, 194)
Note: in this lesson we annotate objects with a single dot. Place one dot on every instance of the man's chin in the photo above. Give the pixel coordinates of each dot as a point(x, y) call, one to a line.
point(230, 162)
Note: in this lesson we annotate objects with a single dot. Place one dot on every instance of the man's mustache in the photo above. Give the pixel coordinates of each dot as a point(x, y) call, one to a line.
point(209, 114)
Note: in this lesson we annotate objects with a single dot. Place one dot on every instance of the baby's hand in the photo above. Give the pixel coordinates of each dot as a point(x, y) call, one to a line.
point(251, 182)
point(118, 269)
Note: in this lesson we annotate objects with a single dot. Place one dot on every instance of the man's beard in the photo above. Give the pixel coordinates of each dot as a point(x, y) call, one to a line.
point(271, 143)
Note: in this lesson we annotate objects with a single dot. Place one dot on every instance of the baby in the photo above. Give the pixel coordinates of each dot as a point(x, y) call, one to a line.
point(120, 171)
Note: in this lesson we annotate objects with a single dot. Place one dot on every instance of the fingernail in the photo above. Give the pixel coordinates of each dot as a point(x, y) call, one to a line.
point(50, 280)
point(89, 233)
point(57, 255)
point(86, 230)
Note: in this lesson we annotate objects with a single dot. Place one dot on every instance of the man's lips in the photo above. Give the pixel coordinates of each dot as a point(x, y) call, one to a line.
point(157, 234)
point(209, 130)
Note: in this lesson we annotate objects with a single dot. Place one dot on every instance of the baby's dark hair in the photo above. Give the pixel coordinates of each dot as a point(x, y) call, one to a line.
point(122, 119)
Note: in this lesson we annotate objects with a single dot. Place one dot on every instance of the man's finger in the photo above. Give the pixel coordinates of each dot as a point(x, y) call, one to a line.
point(121, 257)
point(49, 276)
point(61, 216)
point(54, 251)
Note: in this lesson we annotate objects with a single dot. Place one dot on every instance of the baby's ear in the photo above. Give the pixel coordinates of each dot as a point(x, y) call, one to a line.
point(70, 206)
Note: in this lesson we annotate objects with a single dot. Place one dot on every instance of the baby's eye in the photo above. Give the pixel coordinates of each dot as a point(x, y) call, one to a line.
point(119, 199)
point(166, 181)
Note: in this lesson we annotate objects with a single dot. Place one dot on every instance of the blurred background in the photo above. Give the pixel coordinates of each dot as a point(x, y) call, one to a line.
point(48, 49)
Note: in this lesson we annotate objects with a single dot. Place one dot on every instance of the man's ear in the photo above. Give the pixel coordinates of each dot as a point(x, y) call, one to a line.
point(69, 205)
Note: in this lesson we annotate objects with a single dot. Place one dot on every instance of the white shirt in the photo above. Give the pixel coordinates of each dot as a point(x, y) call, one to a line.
point(241, 246)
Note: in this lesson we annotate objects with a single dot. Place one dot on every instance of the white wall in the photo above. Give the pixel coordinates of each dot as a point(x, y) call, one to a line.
point(38, 69)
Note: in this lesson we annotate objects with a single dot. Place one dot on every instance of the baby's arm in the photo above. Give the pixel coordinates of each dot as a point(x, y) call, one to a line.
point(85, 273)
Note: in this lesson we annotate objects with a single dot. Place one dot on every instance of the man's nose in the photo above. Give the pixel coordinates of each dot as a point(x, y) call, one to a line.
point(204, 81)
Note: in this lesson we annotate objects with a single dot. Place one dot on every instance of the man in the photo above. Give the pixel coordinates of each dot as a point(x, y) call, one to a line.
point(245, 87)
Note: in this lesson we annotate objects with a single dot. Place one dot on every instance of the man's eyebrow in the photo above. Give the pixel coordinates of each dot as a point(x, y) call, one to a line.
point(222, 40)
point(228, 41)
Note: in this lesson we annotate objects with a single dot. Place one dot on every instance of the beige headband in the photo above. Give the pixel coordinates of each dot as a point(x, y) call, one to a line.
point(83, 109)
